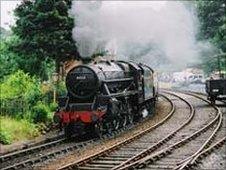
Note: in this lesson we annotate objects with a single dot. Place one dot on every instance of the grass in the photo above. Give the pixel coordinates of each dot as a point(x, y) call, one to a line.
point(12, 130)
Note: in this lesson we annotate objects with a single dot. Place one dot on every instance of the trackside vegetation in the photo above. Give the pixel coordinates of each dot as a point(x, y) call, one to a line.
point(16, 129)
point(26, 105)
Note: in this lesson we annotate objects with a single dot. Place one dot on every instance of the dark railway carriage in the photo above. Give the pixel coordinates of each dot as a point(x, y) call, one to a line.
point(104, 96)
point(216, 89)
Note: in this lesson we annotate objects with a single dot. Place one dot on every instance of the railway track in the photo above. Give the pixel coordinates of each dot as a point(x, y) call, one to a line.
point(29, 150)
point(146, 148)
point(40, 153)
point(223, 103)
point(32, 144)
point(120, 153)
point(29, 157)
point(213, 157)
point(191, 144)
point(162, 159)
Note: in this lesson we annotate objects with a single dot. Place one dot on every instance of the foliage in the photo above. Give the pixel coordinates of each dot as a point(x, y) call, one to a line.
point(5, 138)
point(45, 30)
point(40, 113)
point(11, 61)
point(8, 62)
point(61, 88)
point(23, 90)
point(53, 107)
point(216, 63)
point(4, 33)
point(212, 19)
point(213, 22)
point(22, 85)
point(16, 129)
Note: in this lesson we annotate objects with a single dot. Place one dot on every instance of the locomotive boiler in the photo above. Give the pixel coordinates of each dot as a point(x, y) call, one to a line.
point(104, 96)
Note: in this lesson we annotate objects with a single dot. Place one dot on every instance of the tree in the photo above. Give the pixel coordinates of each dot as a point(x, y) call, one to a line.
point(212, 19)
point(4, 33)
point(44, 28)
point(11, 61)
point(8, 62)
point(212, 22)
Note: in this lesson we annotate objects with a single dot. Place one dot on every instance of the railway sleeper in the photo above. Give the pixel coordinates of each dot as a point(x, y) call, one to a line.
point(113, 162)
point(169, 162)
point(143, 165)
point(159, 167)
point(110, 158)
point(132, 149)
point(90, 168)
point(119, 156)
point(99, 165)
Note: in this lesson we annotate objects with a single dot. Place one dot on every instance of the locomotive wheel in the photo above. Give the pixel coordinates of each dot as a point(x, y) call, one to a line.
point(98, 129)
point(151, 108)
point(112, 126)
point(129, 119)
point(115, 124)
point(108, 127)
point(122, 116)
point(129, 115)
point(68, 130)
point(123, 121)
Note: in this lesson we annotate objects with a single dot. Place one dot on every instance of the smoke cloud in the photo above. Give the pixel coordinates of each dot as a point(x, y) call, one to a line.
point(160, 34)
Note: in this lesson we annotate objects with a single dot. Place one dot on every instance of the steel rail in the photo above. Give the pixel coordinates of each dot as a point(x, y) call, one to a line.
point(206, 144)
point(162, 141)
point(194, 92)
point(152, 158)
point(53, 154)
point(33, 144)
point(121, 143)
point(30, 150)
point(207, 151)
point(32, 161)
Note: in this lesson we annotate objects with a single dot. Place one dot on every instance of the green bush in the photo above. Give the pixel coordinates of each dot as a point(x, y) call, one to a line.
point(53, 107)
point(61, 89)
point(19, 93)
point(22, 85)
point(40, 113)
point(5, 138)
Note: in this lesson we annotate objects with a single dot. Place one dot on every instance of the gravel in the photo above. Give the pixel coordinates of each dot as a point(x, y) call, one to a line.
point(163, 108)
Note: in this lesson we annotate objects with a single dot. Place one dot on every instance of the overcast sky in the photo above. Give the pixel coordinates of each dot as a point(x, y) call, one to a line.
point(7, 7)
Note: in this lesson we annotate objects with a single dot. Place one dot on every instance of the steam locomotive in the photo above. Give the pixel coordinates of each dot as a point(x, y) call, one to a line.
point(105, 96)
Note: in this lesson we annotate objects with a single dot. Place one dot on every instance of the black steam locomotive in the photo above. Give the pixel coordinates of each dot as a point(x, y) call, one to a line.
point(106, 95)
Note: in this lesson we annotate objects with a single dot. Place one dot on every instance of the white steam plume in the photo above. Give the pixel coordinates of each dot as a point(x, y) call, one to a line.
point(147, 31)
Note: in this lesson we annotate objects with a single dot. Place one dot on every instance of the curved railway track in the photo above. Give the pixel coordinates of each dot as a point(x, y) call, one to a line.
point(29, 150)
point(162, 160)
point(114, 156)
point(40, 153)
point(27, 158)
point(146, 150)
point(30, 145)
